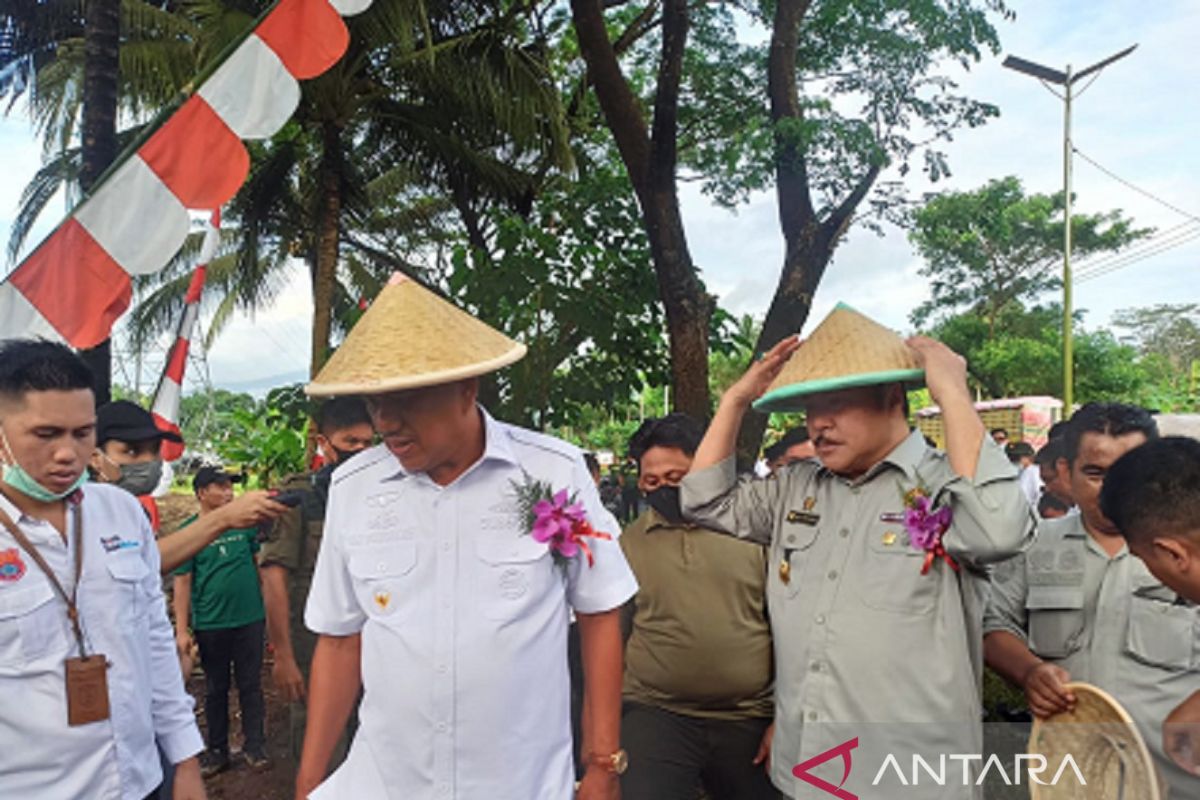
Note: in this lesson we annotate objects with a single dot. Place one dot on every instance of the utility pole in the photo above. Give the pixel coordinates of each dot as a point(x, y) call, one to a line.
point(1067, 80)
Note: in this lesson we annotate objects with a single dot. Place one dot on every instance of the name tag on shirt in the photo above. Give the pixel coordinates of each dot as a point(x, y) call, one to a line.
point(87, 690)
point(803, 517)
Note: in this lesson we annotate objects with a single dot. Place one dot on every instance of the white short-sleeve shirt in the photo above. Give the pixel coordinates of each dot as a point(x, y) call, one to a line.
point(463, 618)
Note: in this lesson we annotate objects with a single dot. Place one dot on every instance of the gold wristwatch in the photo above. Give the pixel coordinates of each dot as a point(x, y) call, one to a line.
point(615, 763)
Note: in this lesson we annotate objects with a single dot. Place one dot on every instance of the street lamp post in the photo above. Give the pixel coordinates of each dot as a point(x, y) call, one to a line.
point(1067, 80)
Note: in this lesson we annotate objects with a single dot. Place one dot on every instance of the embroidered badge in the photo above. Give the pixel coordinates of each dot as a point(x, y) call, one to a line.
point(12, 568)
point(383, 601)
point(113, 543)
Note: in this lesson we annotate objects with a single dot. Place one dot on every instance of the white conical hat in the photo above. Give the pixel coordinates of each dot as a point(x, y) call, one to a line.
point(410, 338)
point(846, 350)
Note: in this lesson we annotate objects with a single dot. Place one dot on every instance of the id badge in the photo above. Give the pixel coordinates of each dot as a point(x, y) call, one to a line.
point(87, 690)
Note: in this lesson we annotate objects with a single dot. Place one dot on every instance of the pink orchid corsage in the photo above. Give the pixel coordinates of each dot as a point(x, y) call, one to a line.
point(558, 520)
point(926, 526)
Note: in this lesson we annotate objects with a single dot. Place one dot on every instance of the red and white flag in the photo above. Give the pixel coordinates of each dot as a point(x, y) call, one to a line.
point(76, 284)
point(170, 386)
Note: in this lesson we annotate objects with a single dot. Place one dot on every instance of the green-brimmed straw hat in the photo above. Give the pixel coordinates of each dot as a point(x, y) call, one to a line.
point(846, 350)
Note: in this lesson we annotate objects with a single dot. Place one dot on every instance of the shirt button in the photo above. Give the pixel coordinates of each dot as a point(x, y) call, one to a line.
point(381, 567)
point(833, 573)
point(441, 726)
point(844, 532)
point(820, 619)
point(446, 546)
point(812, 716)
point(444, 788)
point(791, 538)
point(815, 666)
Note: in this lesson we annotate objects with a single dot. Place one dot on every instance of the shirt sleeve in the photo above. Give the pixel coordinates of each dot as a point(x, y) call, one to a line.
point(283, 548)
point(608, 582)
point(992, 521)
point(332, 607)
point(186, 567)
point(171, 709)
point(745, 507)
point(1006, 607)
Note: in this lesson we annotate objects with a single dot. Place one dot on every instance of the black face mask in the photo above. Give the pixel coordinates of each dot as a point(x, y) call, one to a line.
point(665, 500)
point(343, 455)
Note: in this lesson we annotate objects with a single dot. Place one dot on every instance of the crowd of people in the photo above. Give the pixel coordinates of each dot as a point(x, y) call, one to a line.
point(454, 612)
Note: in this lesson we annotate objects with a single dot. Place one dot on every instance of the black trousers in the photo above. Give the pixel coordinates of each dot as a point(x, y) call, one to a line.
point(242, 649)
point(672, 756)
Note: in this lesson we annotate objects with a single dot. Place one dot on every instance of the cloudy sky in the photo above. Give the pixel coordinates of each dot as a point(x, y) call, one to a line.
point(1140, 120)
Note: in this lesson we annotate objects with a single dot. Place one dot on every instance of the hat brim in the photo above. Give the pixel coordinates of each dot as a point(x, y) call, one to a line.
point(791, 397)
point(141, 435)
point(403, 382)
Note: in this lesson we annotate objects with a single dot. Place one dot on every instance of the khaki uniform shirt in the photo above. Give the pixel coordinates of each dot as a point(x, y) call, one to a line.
point(294, 544)
point(701, 642)
point(1108, 622)
point(865, 645)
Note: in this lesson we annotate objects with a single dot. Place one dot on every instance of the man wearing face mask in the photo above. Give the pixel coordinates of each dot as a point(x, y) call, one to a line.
point(87, 659)
point(128, 456)
point(288, 559)
point(698, 690)
point(128, 452)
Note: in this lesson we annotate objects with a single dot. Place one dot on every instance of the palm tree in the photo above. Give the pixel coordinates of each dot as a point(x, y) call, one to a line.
point(424, 112)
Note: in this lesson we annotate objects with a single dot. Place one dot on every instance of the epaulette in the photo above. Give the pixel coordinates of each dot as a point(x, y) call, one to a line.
point(365, 460)
point(543, 442)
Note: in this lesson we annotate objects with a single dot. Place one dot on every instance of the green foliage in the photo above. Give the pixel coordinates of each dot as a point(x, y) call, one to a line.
point(987, 249)
point(572, 281)
point(265, 441)
point(1023, 357)
point(1171, 331)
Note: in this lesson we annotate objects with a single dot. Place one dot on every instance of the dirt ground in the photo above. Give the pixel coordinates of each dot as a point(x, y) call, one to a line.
point(240, 783)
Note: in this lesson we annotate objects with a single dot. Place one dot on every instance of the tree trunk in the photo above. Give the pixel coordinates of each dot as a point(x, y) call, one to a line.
point(329, 222)
point(101, 68)
point(809, 240)
point(650, 158)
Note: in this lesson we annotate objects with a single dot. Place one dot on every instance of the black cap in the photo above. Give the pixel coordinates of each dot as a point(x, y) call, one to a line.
point(128, 422)
point(207, 476)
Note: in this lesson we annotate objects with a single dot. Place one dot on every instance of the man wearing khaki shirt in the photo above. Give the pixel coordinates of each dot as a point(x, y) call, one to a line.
point(877, 640)
point(698, 680)
point(1078, 606)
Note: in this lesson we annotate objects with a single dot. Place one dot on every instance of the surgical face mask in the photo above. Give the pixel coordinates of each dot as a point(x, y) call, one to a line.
point(16, 477)
point(138, 479)
point(665, 500)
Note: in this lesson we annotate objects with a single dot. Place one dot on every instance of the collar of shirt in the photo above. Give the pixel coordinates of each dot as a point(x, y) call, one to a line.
point(905, 456)
point(496, 447)
point(1073, 528)
point(656, 521)
point(19, 516)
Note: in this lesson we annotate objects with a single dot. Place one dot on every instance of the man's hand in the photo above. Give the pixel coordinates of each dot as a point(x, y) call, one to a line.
point(287, 677)
point(764, 748)
point(599, 784)
point(761, 374)
point(1181, 735)
point(184, 643)
point(188, 783)
point(1046, 692)
point(945, 370)
point(249, 510)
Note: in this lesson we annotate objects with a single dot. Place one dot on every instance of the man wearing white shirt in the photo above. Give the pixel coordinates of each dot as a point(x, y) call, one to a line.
point(86, 704)
point(431, 594)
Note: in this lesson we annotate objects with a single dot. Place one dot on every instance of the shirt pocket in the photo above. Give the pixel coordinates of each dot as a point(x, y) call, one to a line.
point(513, 573)
point(28, 623)
point(1162, 634)
point(795, 542)
point(383, 580)
point(891, 578)
point(1055, 620)
point(128, 574)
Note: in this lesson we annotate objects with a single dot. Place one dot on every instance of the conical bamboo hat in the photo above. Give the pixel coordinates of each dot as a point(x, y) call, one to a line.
point(410, 338)
point(846, 350)
point(1104, 742)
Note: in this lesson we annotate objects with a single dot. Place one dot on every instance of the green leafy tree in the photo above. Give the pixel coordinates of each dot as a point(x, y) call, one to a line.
point(991, 247)
point(1169, 330)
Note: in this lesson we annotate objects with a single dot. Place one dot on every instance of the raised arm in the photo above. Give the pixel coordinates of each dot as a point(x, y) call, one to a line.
point(244, 512)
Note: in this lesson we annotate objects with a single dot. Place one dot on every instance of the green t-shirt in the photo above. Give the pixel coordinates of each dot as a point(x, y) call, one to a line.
point(225, 588)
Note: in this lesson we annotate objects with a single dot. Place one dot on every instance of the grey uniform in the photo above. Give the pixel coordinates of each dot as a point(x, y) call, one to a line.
point(1108, 622)
point(865, 645)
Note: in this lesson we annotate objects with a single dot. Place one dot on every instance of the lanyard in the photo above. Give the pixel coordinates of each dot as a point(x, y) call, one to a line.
point(27, 546)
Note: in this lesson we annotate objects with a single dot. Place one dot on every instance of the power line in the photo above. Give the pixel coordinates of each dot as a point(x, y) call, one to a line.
point(1135, 187)
point(1151, 242)
point(1162, 248)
